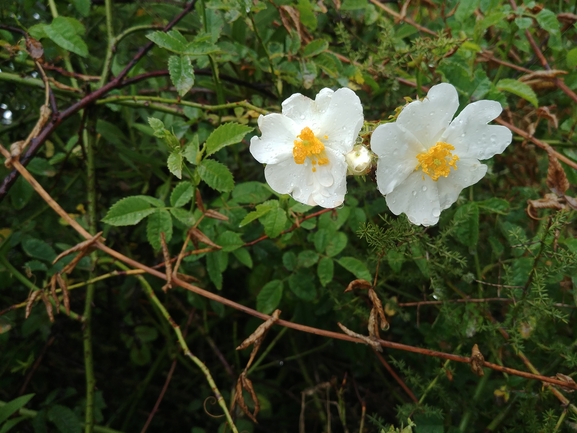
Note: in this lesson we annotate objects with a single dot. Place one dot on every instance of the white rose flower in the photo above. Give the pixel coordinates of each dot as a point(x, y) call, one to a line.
point(359, 160)
point(425, 159)
point(304, 147)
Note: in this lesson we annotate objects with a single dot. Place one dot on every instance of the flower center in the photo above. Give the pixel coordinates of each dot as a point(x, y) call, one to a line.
point(438, 160)
point(309, 146)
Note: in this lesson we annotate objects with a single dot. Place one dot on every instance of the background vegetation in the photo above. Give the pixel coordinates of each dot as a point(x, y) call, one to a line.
point(144, 136)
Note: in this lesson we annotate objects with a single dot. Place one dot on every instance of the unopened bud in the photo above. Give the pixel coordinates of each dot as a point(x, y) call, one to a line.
point(359, 160)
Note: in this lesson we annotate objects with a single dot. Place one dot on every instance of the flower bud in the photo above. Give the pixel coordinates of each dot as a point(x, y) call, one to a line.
point(359, 160)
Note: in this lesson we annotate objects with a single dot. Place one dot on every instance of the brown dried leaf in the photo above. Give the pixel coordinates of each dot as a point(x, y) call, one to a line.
point(82, 247)
point(571, 385)
point(368, 340)
point(65, 293)
point(373, 324)
point(378, 306)
point(167, 264)
point(216, 215)
point(358, 284)
point(30, 302)
point(556, 177)
point(550, 201)
point(260, 332)
point(545, 113)
point(199, 202)
point(34, 48)
point(571, 201)
point(48, 305)
point(202, 237)
point(53, 291)
point(241, 384)
point(477, 361)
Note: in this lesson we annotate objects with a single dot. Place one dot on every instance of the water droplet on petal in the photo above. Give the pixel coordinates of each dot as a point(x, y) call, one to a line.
point(302, 117)
point(436, 212)
point(424, 188)
point(414, 193)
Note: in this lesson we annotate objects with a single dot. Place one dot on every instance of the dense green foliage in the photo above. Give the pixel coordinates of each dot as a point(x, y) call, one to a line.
point(166, 150)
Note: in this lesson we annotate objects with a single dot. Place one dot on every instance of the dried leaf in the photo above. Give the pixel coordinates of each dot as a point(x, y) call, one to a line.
point(53, 291)
point(202, 237)
point(571, 201)
point(34, 48)
point(545, 113)
point(65, 293)
point(571, 385)
point(48, 305)
point(244, 383)
point(556, 177)
point(30, 302)
point(82, 247)
point(477, 361)
point(216, 215)
point(259, 333)
point(358, 284)
point(378, 306)
point(199, 202)
point(167, 264)
point(373, 343)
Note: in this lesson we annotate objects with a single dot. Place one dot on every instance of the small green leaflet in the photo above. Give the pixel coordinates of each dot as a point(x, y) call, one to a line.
point(269, 296)
point(261, 210)
point(355, 267)
point(216, 175)
point(181, 73)
point(518, 88)
point(467, 224)
point(64, 32)
point(225, 135)
point(161, 132)
point(315, 47)
point(301, 284)
point(65, 419)
point(171, 40)
point(181, 194)
point(158, 222)
point(229, 241)
point(14, 405)
point(325, 270)
point(174, 163)
point(274, 222)
point(129, 211)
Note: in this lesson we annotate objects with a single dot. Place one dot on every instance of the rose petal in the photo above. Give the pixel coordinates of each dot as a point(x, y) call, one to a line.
point(428, 119)
point(341, 121)
point(277, 140)
point(418, 198)
point(469, 172)
point(284, 176)
point(471, 135)
point(397, 151)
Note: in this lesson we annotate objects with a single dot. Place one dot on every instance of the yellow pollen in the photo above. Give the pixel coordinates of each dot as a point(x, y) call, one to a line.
point(309, 146)
point(437, 161)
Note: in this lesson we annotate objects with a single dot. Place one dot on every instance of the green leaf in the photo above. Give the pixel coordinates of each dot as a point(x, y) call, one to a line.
point(185, 217)
point(201, 46)
point(225, 135)
point(21, 193)
point(518, 88)
point(145, 333)
point(214, 267)
point(13, 406)
point(336, 244)
point(171, 40)
point(250, 192)
point(420, 260)
point(38, 249)
point(321, 239)
point(306, 14)
point(395, 259)
point(351, 5)
point(260, 210)
point(495, 205)
point(548, 21)
point(181, 194)
point(269, 296)
point(82, 6)
point(159, 222)
point(38, 31)
point(307, 258)
point(301, 284)
point(164, 134)
point(181, 73)
point(466, 9)
point(325, 270)
point(190, 150)
point(355, 267)
point(63, 33)
point(128, 211)
point(65, 419)
point(315, 47)
point(289, 260)
point(7, 426)
point(244, 257)
point(571, 59)
point(174, 163)
point(229, 241)
point(467, 222)
point(274, 222)
point(216, 175)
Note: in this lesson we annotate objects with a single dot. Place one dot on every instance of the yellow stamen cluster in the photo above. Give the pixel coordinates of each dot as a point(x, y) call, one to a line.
point(437, 161)
point(309, 146)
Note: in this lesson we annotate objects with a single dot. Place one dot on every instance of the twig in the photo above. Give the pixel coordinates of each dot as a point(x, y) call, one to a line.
point(396, 377)
point(402, 18)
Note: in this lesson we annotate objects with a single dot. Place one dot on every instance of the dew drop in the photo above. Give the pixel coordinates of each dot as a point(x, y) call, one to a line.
point(302, 117)
point(424, 188)
point(414, 193)
point(436, 212)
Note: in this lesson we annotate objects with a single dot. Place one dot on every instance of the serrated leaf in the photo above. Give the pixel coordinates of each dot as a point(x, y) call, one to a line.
point(495, 205)
point(260, 210)
point(38, 31)
point(336, 244)
point(185, 217)
point(38, 249)
point(13, 406)
point(171, 40)
point(321, 239)
point(174, 163)
point(518, 88)
point(181, 194)
point(65, 419)
point(158, 222)
point(64, 34)
point(216, 175)
point(157, 126)
point(269, 296)
point(225, 135)
point(190, 150)
point(201, 46)
point(307, 15)
point(289, 260)
point(548, 21)
point(229, 241)
point(128, 211)
point(214, 268)
point(467, 224)
point(181, 73)
point(83, 7)
point(243, 256)
point(395, 259)
point(315, 47)
point(355, 267)
point(307, 258)
point(302, 286)
point(325, 270)
point(250, 192)
point(274, 222)
point(21, 193)
point(466, 9)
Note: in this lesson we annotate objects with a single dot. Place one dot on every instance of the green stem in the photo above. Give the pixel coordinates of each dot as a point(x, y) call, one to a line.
point(87, 328)
point(267, 350)
point(111, 42)
point(35, 82)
